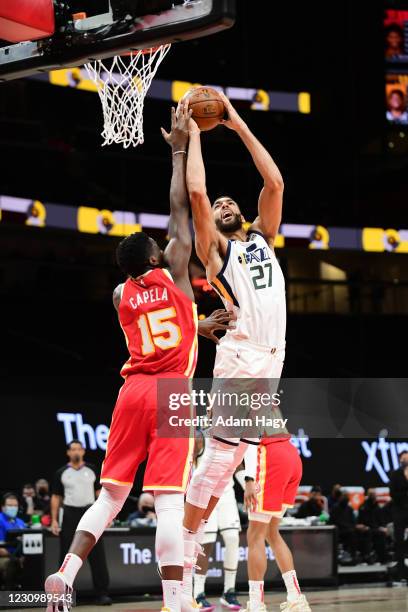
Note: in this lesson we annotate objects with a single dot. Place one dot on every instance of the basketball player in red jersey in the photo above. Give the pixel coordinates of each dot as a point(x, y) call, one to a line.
point(158, 317)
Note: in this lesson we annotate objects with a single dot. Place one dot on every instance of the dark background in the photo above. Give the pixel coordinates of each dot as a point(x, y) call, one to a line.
point(58, 323)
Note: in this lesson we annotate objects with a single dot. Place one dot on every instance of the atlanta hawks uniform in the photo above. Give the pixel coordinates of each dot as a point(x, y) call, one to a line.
point(251, 284)
point(278, 474)
point(160, 326)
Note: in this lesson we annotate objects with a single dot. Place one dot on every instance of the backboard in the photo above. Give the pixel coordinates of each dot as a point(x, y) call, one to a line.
point(84, 30)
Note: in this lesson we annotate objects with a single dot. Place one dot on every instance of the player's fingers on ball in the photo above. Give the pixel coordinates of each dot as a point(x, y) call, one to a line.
point(225, 99)
point(173, 117)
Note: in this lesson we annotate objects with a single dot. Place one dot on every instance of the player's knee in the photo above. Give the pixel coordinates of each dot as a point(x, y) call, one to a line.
point(169, 508)
point(113, 497)
point(256, 533)
point(230, 537)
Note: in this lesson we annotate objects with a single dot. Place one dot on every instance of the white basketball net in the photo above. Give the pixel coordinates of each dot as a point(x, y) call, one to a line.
point(122, 89)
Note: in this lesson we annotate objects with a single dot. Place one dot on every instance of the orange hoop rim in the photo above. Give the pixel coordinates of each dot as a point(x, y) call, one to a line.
point(148, 50)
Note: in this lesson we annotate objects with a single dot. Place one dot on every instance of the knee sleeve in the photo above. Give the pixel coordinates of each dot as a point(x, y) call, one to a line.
point(103, 511)
point(231, 543)
point(217, 460)
point(169, 508)
point(239, 452)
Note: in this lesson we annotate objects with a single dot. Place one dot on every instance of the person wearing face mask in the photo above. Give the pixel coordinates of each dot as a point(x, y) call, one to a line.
point(42, 499)
point(399, 496)
point(10, 564)
point(145, 514)
point(75, 486)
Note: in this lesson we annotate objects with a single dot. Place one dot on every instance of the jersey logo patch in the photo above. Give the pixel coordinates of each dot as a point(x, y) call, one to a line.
point(254, 253)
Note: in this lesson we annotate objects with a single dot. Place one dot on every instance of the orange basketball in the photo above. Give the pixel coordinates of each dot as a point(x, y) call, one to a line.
point(208, 107)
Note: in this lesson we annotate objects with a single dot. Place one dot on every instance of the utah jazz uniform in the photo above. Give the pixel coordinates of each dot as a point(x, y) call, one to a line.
point(160, 326)
point(251, 284)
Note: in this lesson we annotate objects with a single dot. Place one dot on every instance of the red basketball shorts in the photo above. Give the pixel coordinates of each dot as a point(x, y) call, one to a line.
point(279, 473)
point(133, 436)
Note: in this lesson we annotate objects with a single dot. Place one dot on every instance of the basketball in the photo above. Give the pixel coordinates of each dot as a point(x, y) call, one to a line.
point(208, 107)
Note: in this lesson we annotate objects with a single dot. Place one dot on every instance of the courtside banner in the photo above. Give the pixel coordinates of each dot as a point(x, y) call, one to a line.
point(250, 408)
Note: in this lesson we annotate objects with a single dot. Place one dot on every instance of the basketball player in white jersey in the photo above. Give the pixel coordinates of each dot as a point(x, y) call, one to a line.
point(241, 265)
point(225, 520)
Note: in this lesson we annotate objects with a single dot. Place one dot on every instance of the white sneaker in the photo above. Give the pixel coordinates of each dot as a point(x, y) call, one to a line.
point(300, 605)
point(59, 594)
point(260, 608)
point(188, 604)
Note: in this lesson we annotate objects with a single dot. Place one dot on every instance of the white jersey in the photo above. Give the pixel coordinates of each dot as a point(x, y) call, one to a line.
point(251, 284)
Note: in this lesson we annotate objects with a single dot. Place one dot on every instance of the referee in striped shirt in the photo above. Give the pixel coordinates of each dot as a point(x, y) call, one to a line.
point(75, 486)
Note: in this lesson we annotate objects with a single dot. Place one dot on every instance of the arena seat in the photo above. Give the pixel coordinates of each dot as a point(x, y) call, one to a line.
point(383, 495)
point(23, 20)
point(356, 496)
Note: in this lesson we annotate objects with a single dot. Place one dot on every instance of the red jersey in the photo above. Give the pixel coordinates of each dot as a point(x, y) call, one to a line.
point(160, 325)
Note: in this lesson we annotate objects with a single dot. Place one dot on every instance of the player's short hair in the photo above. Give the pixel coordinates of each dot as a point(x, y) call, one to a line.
point(133, 252)
point(223, 197)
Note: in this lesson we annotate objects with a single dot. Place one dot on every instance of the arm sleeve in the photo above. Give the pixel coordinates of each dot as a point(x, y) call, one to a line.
point(251, 459)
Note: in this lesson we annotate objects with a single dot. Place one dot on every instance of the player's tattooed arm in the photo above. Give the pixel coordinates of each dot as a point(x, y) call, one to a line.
point(208, 241)
point(117, 296)
point(178, 251)
point(271, 196)
point(220, 319)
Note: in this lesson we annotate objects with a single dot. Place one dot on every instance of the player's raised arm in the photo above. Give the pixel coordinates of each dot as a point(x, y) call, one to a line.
point(207, 238)
point(178, 251)
point(270, 198)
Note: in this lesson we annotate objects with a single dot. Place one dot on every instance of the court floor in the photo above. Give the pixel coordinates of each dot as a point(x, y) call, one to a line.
point(344, 599)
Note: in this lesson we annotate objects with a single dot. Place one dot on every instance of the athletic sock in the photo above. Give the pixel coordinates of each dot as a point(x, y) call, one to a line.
point(199, 584)
point(256, 593)
point(171, 594)
point(292, 585)
point(189, 554)
point(229, 579)
point(70, 567)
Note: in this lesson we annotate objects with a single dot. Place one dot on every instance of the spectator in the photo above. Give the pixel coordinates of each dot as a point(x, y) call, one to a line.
point(75, 485)
point(397, 107)
point(10, 556)
point(42, 500)
point(145, 511)
point(399, 496)
point(351, 537)
point(27, 505)
point(370, 515)
point(313, 506)
point(334, 496)
point(394, 40)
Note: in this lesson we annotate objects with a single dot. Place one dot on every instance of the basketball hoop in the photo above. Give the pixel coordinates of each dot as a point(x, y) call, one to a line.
point(122, 89)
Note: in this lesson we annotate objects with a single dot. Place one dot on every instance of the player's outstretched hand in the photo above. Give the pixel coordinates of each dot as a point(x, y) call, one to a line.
point(177, 138)
point(218, 320)
point(233, 121)
point(250, 495)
